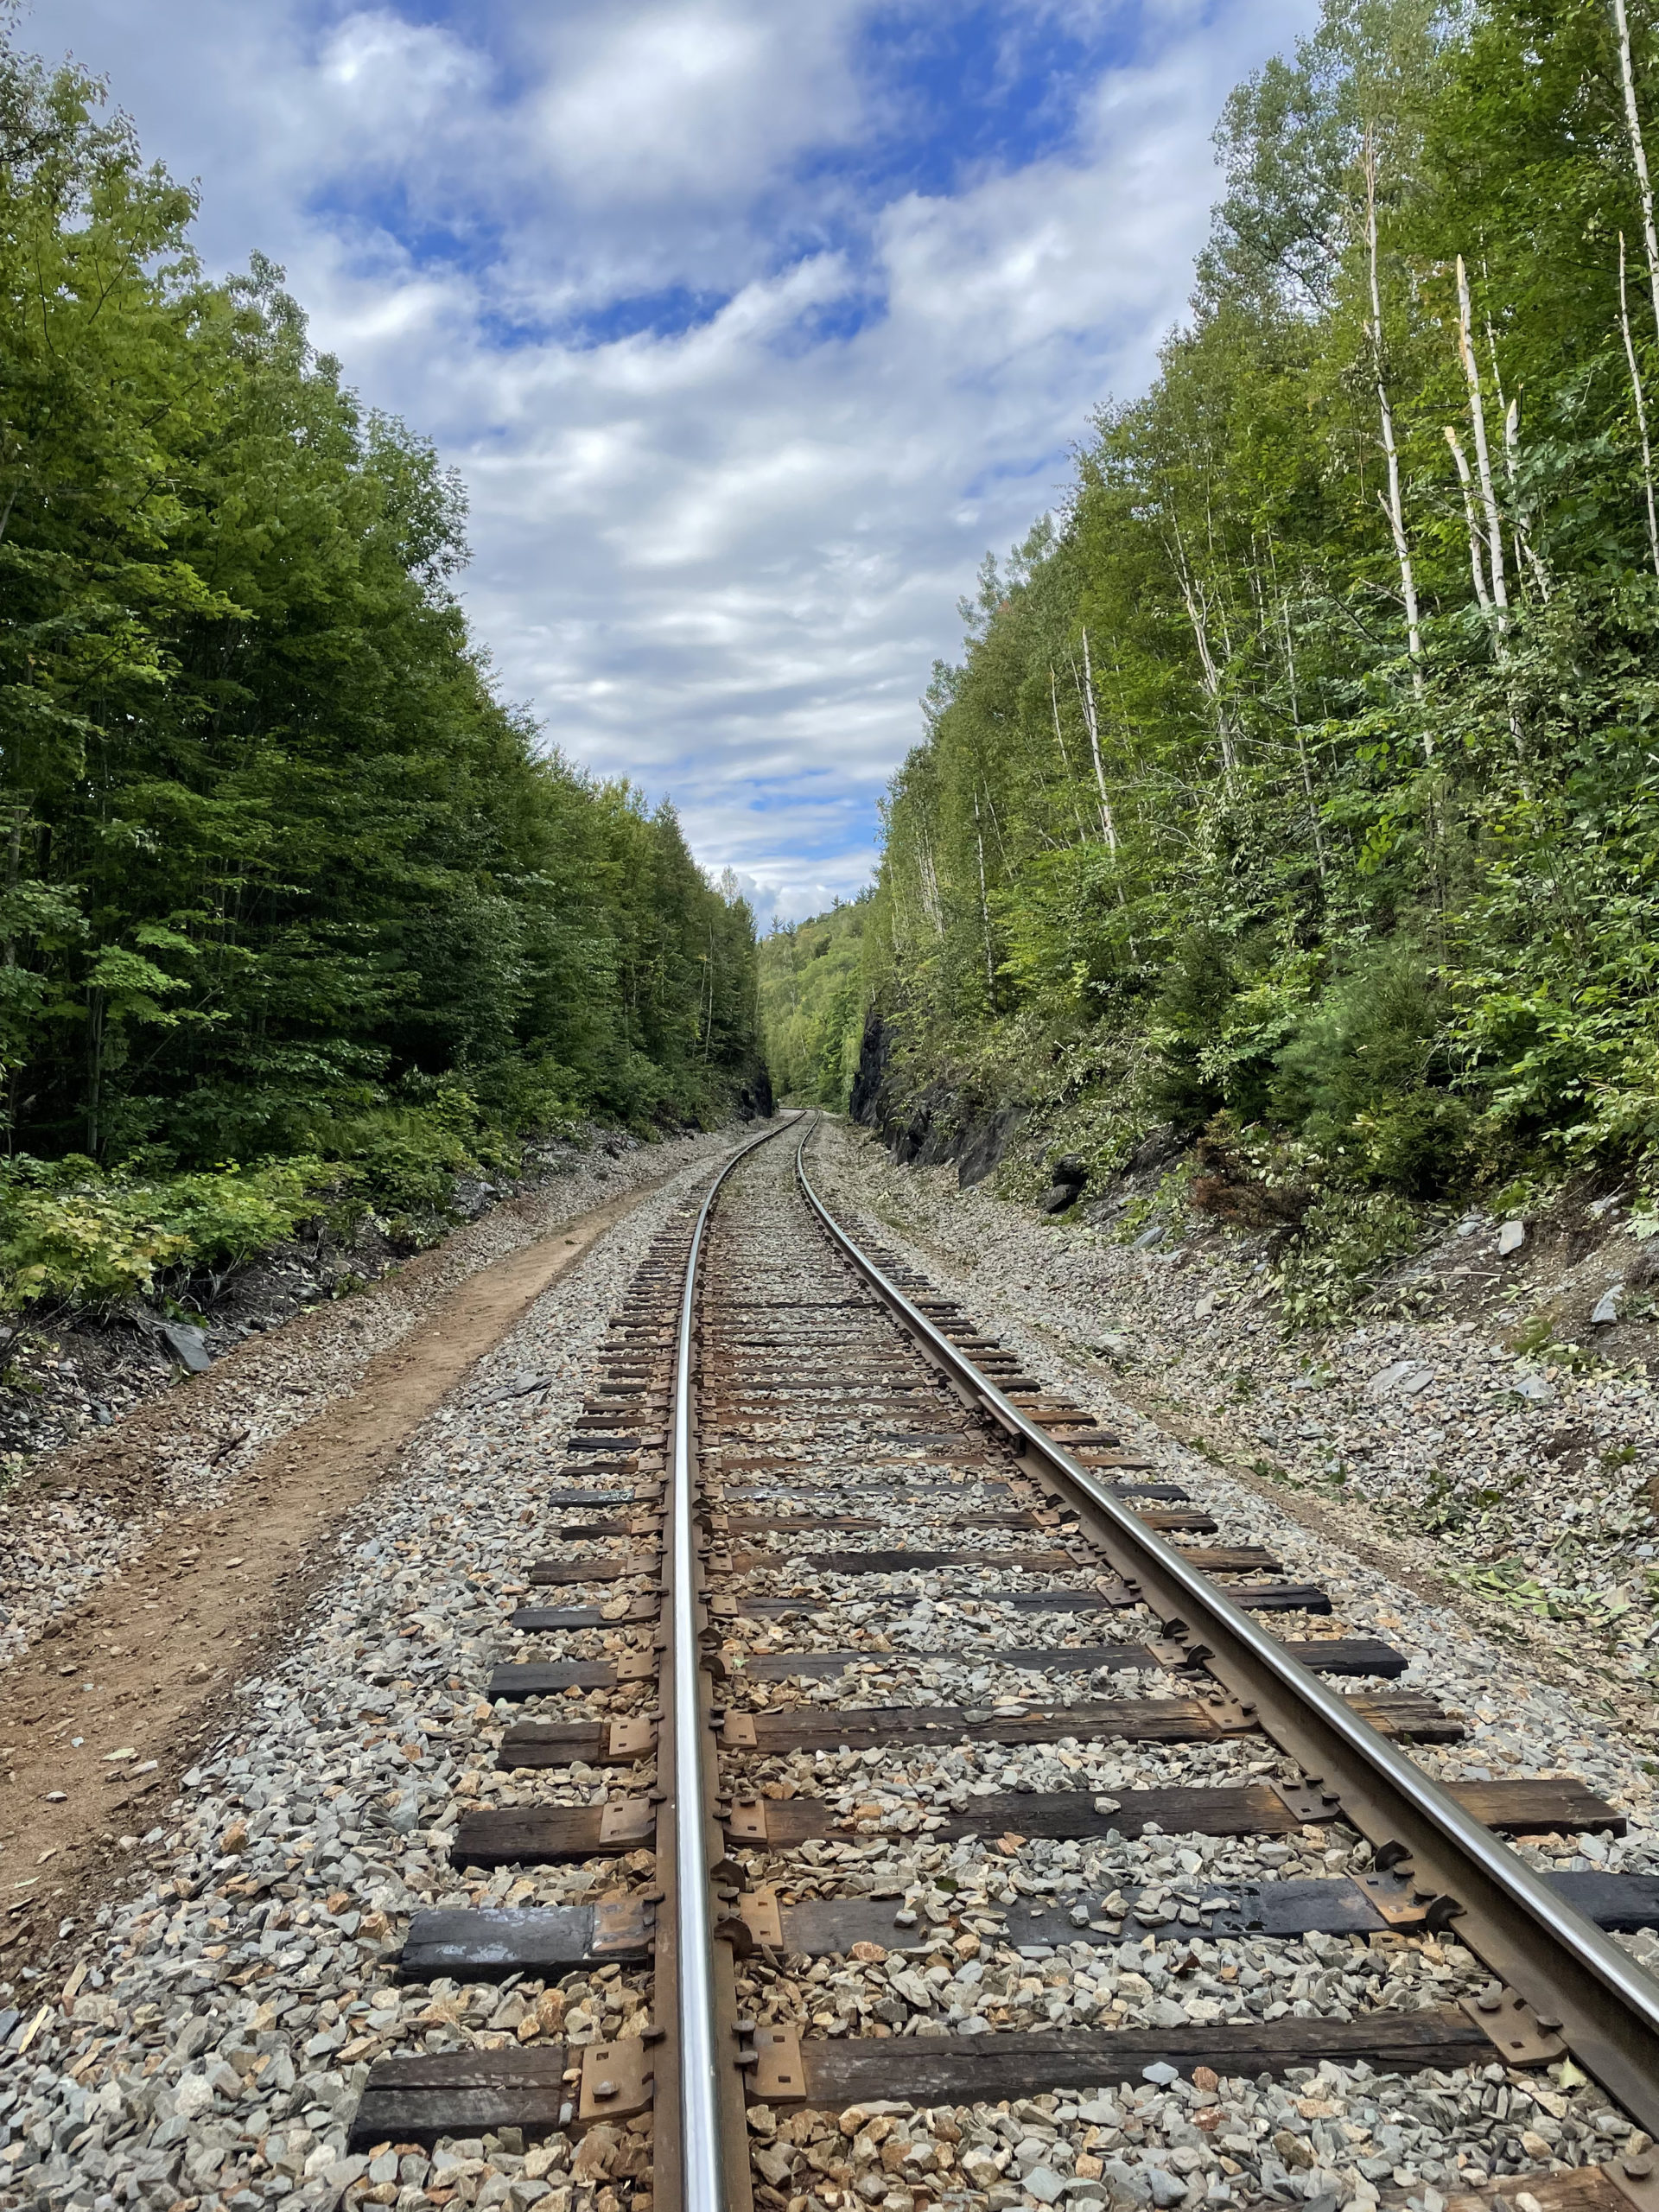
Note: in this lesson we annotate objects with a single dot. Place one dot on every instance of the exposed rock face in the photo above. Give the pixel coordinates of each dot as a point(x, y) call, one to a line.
point(933, 1126)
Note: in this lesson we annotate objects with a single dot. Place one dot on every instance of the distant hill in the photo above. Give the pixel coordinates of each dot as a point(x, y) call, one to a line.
point(811, 1005)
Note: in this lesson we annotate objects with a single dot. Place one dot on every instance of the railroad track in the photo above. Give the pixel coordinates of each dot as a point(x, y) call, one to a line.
point(823, 1571)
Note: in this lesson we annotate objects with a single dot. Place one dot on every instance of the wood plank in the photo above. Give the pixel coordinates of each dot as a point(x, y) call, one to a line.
point(488, 1943)
point(903, 1506)
point(547, 1618)
point(975, 2070)
point(535, 1743)
point(532, 1835)
point(1149, 1719)
point(1229, 1559)
point(547, 1572)
point(1512, 1808)
point(1253, 1811)
point(907, 1561)
point(1620, 1901)
point(826, 1927)
point(600, 1498)
point(463, 2093)
point(1254, 1597)
point(1078, 1659)
point(1328, 1655)
point(1580, 2189)
point(546, 1678)
point(1522, 1806)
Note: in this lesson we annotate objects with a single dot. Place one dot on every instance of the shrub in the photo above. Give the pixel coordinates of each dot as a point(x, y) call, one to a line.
point(69, 1231)
point(1346, 1237)
point(1359, 1076)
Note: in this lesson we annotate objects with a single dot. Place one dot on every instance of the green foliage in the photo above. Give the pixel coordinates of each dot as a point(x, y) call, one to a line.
point(70, 1232)
point(1345, 1237)
point(1202, 799)
point(812, 1004)
point(276, 864)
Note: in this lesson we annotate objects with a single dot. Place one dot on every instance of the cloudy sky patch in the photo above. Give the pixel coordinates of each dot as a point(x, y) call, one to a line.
point(750, 325)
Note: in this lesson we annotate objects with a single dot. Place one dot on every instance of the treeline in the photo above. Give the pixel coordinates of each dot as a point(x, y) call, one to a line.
point(283, 875)
point(1302, 772)
point(811, 1003)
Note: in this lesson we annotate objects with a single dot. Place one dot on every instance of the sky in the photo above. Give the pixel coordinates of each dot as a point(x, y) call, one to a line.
point(751, 325)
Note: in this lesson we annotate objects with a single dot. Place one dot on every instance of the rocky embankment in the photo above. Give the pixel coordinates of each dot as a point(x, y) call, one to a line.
point(1480, 1424)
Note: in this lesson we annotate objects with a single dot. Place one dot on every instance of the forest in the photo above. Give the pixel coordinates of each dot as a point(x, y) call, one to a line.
point(1296, 783)
point(293, 899)
point(812, 1001)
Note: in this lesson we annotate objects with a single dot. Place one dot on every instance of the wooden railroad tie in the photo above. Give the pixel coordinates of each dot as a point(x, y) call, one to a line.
point(1254, 1597)
point(548, 1678)
point(539, 2089)
point(1147, 1721)
point(540, 1835)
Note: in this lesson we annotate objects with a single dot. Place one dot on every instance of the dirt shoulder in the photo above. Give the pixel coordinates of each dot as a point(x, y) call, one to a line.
point(80, 1511)
point(101, 1717)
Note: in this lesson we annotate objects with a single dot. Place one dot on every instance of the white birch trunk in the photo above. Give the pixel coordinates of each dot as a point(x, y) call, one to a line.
point(1638, 149)
point(1091, 717)
point(1065, 758)
point(1210, 674)
point(984, 909)
point(1394, 507)
point(1476, 559)
point(1641, 407)
point(1483, 456)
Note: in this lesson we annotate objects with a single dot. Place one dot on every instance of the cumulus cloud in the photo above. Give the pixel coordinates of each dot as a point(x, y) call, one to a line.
point(750, 327)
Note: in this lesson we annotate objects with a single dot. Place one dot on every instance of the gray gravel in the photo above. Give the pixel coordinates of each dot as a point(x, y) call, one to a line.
point(214, 2033)
point(53, 1548)
point(1339, 2133)
point(211, 2040)
point(1533, 1471)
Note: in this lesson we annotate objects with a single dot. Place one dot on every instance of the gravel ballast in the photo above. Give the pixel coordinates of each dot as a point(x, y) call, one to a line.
point(1528, 1478)
point(206, 2042)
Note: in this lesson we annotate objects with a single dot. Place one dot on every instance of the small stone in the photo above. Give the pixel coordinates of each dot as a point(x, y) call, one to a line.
point(1160, 2072)
point(1166, 2188)
point(1606, 1310)
point(1045, 2185)
point(1405, 1378)
point(1510, 1237)
point(188, 1346)
point(1148, 1237)
point(193, 2097)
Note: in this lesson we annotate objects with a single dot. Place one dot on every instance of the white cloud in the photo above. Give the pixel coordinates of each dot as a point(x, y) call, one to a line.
point(720, 560)
point(697, 96)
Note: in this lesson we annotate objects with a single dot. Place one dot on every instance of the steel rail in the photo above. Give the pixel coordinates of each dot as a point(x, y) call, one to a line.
point(703, 2154)
point(1605, 2007)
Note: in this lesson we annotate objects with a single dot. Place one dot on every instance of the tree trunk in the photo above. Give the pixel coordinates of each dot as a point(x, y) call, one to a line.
point(1641, 409)
point(1483, 456)
point(1638, 149)
point(1393, 506)
point(1091, 717)
point(1065, 758)
point(984, 909)
point(1476, 561)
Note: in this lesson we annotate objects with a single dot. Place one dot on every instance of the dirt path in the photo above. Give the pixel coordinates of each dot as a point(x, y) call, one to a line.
point(99, 1720)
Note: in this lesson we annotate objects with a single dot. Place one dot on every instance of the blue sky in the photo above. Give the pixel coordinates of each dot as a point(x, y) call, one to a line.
point(750, 325)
